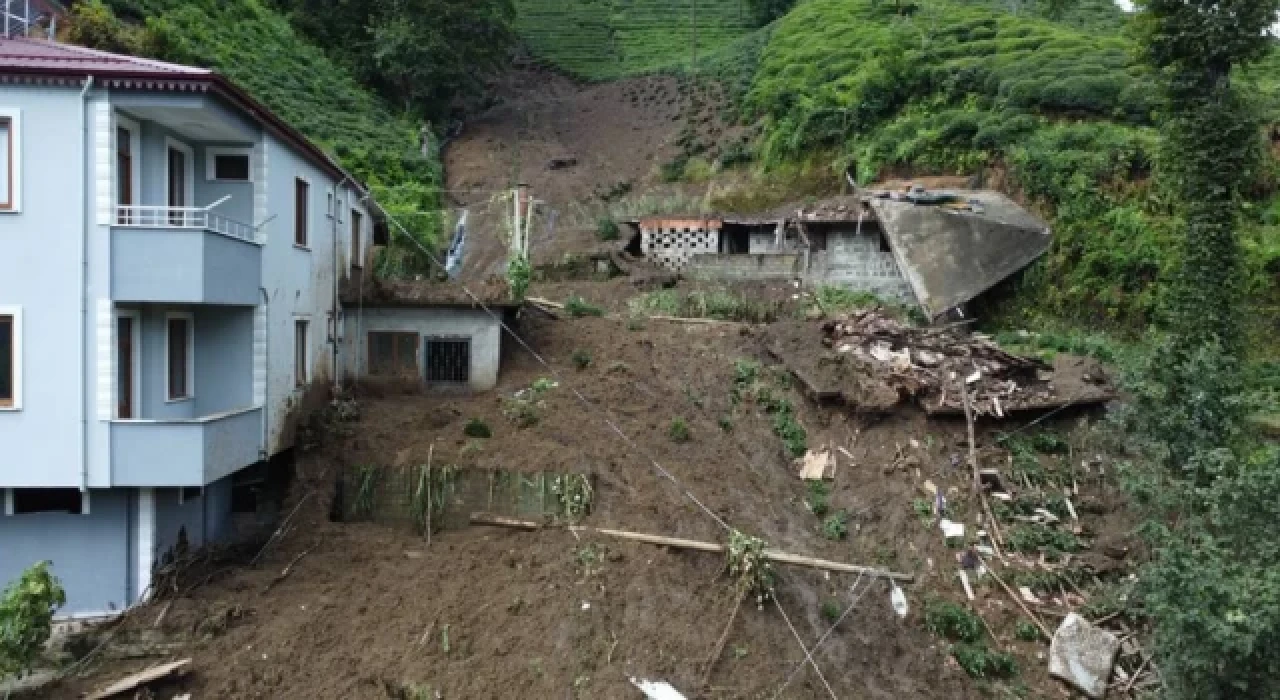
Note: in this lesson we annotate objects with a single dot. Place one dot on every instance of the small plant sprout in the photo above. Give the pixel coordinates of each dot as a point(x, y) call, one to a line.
point(836, 526)
point(679, 430)
point(607, 229)
point(574, 493)
point(581, 359)
point(830, 611)
point(740, 651)
point(1026, 631)
point(753, 574)
point(818, 498)
point(477, 428)
point(577, 307)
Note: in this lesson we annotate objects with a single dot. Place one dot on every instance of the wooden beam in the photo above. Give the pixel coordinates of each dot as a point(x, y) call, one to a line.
point(660, 540)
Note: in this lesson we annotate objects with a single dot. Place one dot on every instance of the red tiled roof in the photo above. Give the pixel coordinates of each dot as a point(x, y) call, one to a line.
point(39, 59)
point(41, 56)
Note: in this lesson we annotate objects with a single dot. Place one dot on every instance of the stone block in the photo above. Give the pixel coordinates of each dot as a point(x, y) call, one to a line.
point(1083, 655)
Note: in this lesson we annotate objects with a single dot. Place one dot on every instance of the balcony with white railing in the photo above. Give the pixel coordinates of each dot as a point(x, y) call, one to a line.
point(183, 255)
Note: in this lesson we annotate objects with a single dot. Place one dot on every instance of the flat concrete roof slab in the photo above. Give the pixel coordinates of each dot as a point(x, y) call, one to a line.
point(951, 255)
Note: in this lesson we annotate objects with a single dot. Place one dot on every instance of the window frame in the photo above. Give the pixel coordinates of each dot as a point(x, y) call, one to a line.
point(135, 317)
point(190, 359)
point(425, 350)
point(15, 314)
point(13, 116)
point(416, 354)
point(301, 352)
point(188, 172)
point(135, 161)
point(302, 219)
point(10, 503)
point(357, 238)
point(211, 154)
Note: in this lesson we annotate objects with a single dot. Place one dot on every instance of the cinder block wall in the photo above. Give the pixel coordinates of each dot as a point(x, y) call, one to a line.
point(746, 266)
point(857, 261)
point(672, 245)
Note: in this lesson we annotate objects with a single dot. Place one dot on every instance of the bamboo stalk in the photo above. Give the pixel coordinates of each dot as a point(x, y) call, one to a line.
point(430, 453)
point(770, 554)
point(1017, 599)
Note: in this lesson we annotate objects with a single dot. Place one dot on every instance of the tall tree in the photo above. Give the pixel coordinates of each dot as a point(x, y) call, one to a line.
point(422, 54)
point(1212, 145)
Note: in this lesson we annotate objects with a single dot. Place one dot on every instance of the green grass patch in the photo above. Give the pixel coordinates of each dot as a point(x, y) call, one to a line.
point(604, 39)
point(577, 307)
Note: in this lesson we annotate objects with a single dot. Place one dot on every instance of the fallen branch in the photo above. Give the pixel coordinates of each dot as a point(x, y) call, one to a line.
point(1016, 599)
point(1136, 674)
point(284, 573)
point(702, 321)
point(769, 554)
point(973, 447)
point(724, 637)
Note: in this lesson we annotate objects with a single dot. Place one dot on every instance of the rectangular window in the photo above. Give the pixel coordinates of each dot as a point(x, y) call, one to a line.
point(27, 501)
point(179, 337)
point(301, 194)
point(188, 494)
point(300, 353)
point(356, 224)
point(393, 354)
point(10, 358)
point(448, 360)
point(8, 163)
point(231, 166)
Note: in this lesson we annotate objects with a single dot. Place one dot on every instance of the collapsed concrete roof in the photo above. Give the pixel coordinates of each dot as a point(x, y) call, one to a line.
point(950, 255)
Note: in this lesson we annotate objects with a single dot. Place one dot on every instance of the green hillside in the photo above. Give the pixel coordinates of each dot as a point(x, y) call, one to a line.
point(1056, 112)
point(602, 39)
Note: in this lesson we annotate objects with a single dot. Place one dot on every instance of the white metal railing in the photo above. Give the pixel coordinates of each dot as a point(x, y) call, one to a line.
point(201, 218)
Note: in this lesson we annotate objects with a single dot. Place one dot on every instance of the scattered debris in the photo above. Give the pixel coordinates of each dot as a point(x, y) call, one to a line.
point(875, 360)
point(816, 466)
point(1083, 655)
point(141, 679)
point(657, 690)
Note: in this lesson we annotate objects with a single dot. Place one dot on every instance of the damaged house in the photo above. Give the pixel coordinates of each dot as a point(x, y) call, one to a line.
point(929, 249)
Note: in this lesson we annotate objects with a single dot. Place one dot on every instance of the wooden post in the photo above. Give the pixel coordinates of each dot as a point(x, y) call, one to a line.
point(770, 554)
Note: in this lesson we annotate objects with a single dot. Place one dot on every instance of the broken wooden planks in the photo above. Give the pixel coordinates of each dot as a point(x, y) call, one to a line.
point(770, 554)
point(140, 679)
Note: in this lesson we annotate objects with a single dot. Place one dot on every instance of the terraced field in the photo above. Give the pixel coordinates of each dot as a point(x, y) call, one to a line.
point(603, 39)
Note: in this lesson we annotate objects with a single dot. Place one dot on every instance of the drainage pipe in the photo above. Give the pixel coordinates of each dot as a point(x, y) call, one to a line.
point(265, 451)
point(84, 287)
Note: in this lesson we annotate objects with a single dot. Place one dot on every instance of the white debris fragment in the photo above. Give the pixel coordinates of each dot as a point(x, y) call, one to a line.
point(898, 600)
point(657, 690)
point(951, 529)
point(1083, 655)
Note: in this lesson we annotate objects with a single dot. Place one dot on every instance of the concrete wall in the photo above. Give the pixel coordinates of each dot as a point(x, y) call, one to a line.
point(747, 266)
point(90, 553)
point(485, 334)
point(40, 264)
point(300, 281)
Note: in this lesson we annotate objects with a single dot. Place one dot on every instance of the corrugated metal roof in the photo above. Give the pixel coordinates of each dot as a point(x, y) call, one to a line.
point(42, 56)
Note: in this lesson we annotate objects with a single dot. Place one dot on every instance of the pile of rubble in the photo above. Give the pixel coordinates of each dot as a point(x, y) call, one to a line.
point(930, 364)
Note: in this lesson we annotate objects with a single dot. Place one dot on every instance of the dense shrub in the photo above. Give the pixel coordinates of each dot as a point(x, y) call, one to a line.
point(26, 618)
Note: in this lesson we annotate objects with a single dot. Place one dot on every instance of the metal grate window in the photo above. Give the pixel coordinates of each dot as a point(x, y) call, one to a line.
point(448, 360)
